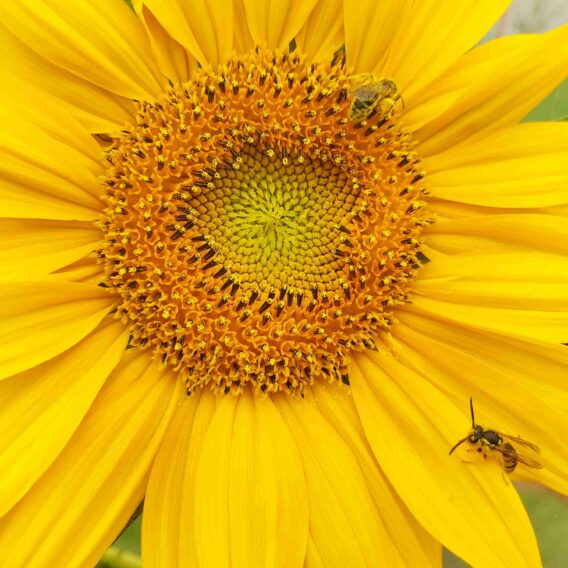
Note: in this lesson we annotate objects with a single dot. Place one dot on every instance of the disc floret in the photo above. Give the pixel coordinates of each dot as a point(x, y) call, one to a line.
point(254, 233)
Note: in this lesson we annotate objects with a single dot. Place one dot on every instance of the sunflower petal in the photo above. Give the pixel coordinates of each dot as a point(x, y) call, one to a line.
point(42, 319)
point(519, 167)
point(498, 91)
point(531, 281)
point(43, 173)
point(173, 60)
point(412, 545)
point(167, 526)
point(243, 40)
point(250, 494)
point(500, 234)
point(31, 78)
point(413, 42)
point(98, 40)
point(73, 513)
point(322, 34)
point(276, 22)
point(36, 247)
point(409, 424)
point(204, 27)
point(344, 523)
point(540, 324)
point(518, 387)
point(43, 406)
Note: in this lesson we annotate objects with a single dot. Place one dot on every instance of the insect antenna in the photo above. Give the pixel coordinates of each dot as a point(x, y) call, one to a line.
point(471, 410)
point(458, 444)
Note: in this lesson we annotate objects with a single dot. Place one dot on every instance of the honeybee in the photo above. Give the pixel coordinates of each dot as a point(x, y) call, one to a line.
point(371, 96)
point(499, 442)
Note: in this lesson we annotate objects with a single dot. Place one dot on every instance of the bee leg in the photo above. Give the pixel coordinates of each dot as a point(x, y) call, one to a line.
point(505, 477)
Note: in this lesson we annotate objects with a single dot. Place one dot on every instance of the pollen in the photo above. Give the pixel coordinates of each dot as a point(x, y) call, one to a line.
point(254, 233)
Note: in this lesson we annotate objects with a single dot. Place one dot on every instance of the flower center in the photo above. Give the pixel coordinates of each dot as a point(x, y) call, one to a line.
point(262, 222)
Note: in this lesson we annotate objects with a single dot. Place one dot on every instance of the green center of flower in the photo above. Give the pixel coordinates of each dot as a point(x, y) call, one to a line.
point(277, 223)
point(263, 222)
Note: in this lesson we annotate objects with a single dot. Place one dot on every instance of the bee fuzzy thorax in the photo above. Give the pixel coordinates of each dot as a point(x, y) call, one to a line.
point(372, 97)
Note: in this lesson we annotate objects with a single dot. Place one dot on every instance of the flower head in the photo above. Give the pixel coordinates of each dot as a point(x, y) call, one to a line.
point(259, 257)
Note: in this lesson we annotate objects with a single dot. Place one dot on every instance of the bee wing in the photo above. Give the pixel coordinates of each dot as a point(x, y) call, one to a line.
point(508, 450)
point(520, 441)
point(528, 461)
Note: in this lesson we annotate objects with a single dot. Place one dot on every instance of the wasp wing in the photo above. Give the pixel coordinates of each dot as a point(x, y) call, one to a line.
point(528, 461)
point(520, 441)
point(507, 450)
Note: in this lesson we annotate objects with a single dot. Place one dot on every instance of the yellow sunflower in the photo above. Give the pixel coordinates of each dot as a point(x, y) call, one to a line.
point(257, 255)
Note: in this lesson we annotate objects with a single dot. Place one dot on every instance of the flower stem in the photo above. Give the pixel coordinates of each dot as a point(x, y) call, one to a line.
point(116, 558)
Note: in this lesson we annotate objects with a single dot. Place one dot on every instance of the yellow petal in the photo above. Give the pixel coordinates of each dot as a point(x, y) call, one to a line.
point(40, 320)
point(204, 27)
point(42, 407)
point(173, 60)
point(531, 281)
point(250, 493)
point(498, 91)
point(410, 425)
point(344, 523)
point(412, 545)
point(85, 270)
point(243, 40)
point(500, 233)
point(36, 248)
point(542, 324)
point(43, 175)
point(276, 22)
point(98, 40)
point(519, 167)
point(441, 93)
point(322, 34)
point(32, 78)
point(413, 42)
point(167, 525)
point(518, 387)
point(73, 513)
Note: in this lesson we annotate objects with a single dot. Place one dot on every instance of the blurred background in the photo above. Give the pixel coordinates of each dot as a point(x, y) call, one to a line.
point(548, 511)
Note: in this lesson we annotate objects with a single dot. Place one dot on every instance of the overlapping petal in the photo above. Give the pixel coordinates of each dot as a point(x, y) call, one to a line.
point(412, 545)
point(411, 424)
point(250, 491)
point(499, 84)
point(204, 27)
point(522, 167)
point(37, 247)
point(39, 320)
point(345, 527)
point(32, 78)
point(322, 34)
point(412, 41)
point(168, 529)
point(50, 401)
point(100, 41)
point(173, 60)
point(276, 22)
point(84, 499)
point(519, 387)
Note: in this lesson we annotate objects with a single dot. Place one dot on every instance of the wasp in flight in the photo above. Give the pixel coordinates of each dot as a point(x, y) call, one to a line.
point(372, 96)
point(501, 443)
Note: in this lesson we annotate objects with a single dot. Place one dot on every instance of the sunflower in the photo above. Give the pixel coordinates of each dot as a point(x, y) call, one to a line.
point(257, 257)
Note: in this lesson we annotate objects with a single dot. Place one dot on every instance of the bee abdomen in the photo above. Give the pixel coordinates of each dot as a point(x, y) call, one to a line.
point(509, 458)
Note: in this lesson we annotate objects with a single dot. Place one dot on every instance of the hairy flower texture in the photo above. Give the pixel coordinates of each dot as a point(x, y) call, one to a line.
point(257, 257)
